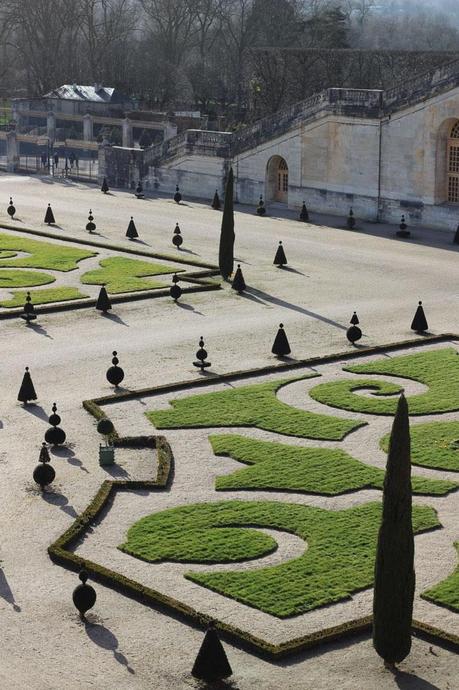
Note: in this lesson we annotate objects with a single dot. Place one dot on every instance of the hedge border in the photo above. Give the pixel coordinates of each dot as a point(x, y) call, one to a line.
point(199, 279)
point(60, 553)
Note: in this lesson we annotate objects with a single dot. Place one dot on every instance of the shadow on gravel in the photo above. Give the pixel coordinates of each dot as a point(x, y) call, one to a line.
point(39, 329)
point(410, 681)
point(36, 410)
point(69, 455)
point(6, 592)
point(61, 501)
point(105, 639)
point(115, 318)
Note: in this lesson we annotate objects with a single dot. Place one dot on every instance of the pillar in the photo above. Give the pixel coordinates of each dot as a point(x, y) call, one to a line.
point(88, 134)
point(12, 152)
point(127, 133)
point(51, 127)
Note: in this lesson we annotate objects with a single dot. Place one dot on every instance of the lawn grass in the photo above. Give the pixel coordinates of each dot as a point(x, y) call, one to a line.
point(254, 405)
point(16, 278)
point(46, 296)
point(338, 559)
point(434, 445)
point(119, 274)
point(327, 471)
point(446, 593)
point(42, 254)
point(437, 369)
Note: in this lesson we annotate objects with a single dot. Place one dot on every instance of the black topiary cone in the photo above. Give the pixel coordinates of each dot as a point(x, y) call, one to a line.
point(49, 216)
point(175, 291)
point(105, 187)
point(43, 473)
point(201, 356)
point(55, 435)
point(280, 259)
point(281, 346)
point(211, 662)
point(103, 303)
point(419, 323)
point(354, 319)
point(115, 374)
point(11, 210)
point(177, 195)
point(29, 310)
point(131, 231)
point(84, 596)
point(216, 201)
point(304, 215)
point(27, 390)
point(238, 283)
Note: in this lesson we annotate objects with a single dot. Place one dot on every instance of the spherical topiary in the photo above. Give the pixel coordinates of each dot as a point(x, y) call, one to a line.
point(11, 210)
point(55, 436)
point(105, 427)
point(115, 374)
point(29, 310)
point(175, 290)
point(201, 356)
point(350, 220)
point(177, 195)
point(84, 596)
point(353, 334)
point(44, 473)
point(177, 238)
point(261, 210)
point(90, 225)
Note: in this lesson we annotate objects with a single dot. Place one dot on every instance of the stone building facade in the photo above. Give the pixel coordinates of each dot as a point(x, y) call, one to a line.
point(385, 153)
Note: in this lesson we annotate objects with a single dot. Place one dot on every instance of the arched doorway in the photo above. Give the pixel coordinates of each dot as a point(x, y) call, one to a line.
point(277, 180)
point(453, 165)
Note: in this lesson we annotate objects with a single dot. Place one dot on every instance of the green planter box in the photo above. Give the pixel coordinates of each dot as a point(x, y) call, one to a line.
point(106, 455)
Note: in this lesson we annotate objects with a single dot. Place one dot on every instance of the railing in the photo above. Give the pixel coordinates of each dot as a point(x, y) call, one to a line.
point(196, 141)
point(421, 86)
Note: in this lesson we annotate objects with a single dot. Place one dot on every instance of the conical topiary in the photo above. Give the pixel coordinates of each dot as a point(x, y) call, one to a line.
point(55, 435)
point(29, 310)
point(238, 280)
point(227, 236)
point(394, 566)
point(216, 201)
point(90, 225)
point(177, 239)
point(27, 390)
point(304, 215)
point(139, 191)
point(354, 319)
point(211, 662)
point(115, 374)
point(131, 231)
point(261, 210)
point(175, 290)
point(419, 323)
point(456, 236)
point(11, 210)
point(84, 596)
point(281, 346)
point(350, 220)
point(177, 195)
point(44, 473)
point(201, 356)
point(49, 216)
point(105, 188)
point(280, 259)
point(103, 301)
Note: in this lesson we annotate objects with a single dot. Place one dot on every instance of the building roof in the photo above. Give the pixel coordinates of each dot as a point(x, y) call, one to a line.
point(77, 92)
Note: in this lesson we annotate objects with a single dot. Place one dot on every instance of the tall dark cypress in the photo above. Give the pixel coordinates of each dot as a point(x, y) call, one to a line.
point(227, 236)
point(394, 566)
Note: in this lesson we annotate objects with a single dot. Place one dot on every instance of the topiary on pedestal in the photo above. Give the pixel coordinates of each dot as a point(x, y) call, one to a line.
point(201, 356)
point(105, 188)
point(139, 191)
point(216, 201)
point(261, 210)
point(177, 239)
point(350, 222)
point(304, 215)
point(281, 346)
point(84, 596)
point(29, 310)
point(354, 333)
point(227, 236)
point(44, 474)
point(280, 259)
point(103, 303)
point(238, 283)
point(115, 374)
point(90, 225)
point(55, 436)
point(177, 195)
point(11, 210)
point(49, 216)
point(403, 229)
point(419, 323)
point(27, 390)
point(175, 290)
point(211, 663)
point(131, 231)
point(394, 566)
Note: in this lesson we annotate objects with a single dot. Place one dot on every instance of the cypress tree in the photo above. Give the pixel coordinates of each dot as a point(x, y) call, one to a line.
point(211, 663)
point(49, 216)
point(227, 236)
point(419, 323)
point(394, 565)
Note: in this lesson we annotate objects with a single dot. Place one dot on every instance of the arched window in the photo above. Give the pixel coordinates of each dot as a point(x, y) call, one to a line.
point(453, 164)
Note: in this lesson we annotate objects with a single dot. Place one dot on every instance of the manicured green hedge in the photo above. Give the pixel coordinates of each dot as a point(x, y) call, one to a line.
point(434, 445)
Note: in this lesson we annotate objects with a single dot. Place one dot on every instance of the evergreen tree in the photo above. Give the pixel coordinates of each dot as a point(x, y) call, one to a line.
point(227, 236)
point(49, 216)
point(394, 565)
point(131, 232)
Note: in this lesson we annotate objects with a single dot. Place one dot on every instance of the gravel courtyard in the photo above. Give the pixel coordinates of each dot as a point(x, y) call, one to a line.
point(331, 273)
